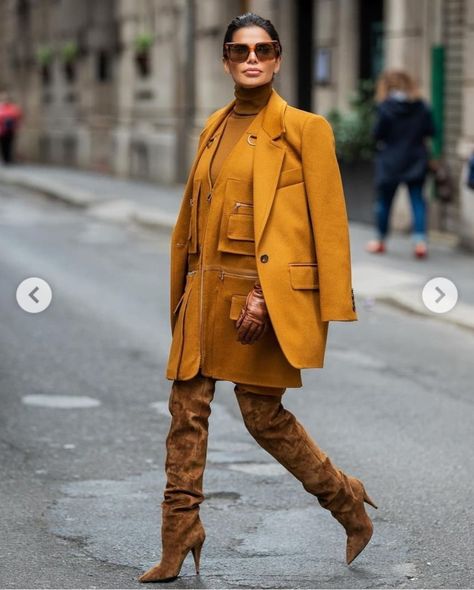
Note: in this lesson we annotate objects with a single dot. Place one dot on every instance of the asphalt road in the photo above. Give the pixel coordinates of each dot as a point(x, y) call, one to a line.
point(81, 486)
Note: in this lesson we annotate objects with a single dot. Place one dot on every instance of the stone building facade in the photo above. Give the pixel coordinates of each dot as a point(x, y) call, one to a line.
point(124, 86)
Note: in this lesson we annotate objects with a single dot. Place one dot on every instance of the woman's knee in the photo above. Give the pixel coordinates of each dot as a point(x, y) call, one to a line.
point(193, 395)
point(259, 412)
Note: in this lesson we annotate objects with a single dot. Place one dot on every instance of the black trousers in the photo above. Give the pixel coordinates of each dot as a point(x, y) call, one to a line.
point(6, 147)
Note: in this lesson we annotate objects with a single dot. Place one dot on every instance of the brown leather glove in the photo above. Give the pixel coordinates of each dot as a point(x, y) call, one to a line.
point(253, 320)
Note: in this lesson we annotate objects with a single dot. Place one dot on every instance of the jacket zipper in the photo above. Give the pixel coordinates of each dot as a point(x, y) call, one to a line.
point(200, 295)
point(239, 204)
point(209, 197)
point(223, 273)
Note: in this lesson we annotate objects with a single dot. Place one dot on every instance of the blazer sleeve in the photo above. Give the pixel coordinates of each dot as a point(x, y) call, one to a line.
point(327, 207)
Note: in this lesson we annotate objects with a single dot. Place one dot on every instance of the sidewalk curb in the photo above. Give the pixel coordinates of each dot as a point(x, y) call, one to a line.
point(146, 216)
point(152, 217)
point(453, 319)
point(402, 289)
point(70, 195)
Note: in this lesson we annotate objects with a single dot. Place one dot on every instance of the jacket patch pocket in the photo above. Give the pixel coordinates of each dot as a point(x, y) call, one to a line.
point(236, 233)
point(304, 275)
point(237, 302)
point(240, 227)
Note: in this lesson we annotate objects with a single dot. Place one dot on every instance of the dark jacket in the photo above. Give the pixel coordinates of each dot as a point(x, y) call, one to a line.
point(400, 129)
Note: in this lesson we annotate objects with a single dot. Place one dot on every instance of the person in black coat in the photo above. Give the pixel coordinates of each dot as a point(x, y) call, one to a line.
point(403, 124)
point(10, 116)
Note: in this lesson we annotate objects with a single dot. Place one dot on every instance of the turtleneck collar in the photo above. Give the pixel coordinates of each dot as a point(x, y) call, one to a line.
point(250, 101)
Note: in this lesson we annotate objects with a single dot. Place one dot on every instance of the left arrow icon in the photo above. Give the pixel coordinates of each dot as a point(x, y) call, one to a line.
point(34, 295)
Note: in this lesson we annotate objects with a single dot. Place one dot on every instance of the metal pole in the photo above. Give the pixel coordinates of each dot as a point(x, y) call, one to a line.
point(305, 50)
point(188, 84)
point(437, 94)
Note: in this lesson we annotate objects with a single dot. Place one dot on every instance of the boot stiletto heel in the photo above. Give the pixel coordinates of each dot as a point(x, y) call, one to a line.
point(169, 567)
point(197, 555)
point(368, 500)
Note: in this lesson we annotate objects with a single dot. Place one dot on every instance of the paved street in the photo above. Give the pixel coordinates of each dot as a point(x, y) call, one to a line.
point(84, 417)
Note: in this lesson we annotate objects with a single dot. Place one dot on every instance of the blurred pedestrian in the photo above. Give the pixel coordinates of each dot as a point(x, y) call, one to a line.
point(247, 265)
point(10, 116)
point(470, 172)
point(403, 124)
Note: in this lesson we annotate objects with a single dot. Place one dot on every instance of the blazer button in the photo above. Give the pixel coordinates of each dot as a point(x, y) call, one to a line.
point(264, 258)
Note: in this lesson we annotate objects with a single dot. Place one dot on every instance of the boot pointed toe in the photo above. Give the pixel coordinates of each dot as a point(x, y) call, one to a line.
point(357, 541)
point(356, 521)
point(157, 574)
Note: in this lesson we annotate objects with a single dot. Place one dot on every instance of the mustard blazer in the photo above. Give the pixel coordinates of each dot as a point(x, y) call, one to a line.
point(301, 229)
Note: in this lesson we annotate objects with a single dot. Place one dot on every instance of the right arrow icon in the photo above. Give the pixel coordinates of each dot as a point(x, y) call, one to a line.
point(440, 295)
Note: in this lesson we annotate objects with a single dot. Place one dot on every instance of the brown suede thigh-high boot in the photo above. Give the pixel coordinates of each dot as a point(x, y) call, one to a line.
point(278, 431)
point(186, 446)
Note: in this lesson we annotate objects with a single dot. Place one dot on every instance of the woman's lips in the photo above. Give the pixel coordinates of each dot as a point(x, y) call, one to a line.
point(252, 72)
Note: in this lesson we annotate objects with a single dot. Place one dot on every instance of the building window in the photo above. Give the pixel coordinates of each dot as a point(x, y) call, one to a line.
point(69, 69)
point(46, 74)
point(371, 36)
point(322, 66)
point(103, 73)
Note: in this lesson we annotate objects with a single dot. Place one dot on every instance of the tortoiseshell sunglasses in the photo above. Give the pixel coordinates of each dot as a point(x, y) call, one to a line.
point(239, 52)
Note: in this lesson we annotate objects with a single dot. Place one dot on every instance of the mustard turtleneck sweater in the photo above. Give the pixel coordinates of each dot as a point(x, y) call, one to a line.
point(248, 103)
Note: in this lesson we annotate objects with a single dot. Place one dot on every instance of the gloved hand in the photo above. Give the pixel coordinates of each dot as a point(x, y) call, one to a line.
point(253, 320)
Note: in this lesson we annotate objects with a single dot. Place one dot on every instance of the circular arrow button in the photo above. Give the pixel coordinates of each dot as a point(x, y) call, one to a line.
point(440, 295)
point(34, 295)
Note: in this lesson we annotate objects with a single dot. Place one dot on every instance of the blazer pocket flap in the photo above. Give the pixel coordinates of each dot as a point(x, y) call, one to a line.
point(240, 227)
point(238, 301)
point(304, 276)
point(292, 176)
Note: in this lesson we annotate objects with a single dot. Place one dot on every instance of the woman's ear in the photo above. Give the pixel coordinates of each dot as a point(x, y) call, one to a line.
point(226, 66)
point(277, 66)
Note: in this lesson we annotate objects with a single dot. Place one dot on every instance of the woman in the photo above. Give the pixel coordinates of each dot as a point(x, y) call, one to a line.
point(403, 123)
point(260, 263)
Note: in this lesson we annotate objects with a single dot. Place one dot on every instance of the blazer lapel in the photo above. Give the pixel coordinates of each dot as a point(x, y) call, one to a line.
point(269, 154)
point(207, 134)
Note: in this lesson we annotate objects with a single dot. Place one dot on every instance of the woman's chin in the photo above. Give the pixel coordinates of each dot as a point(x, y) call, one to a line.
point(251, 82)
